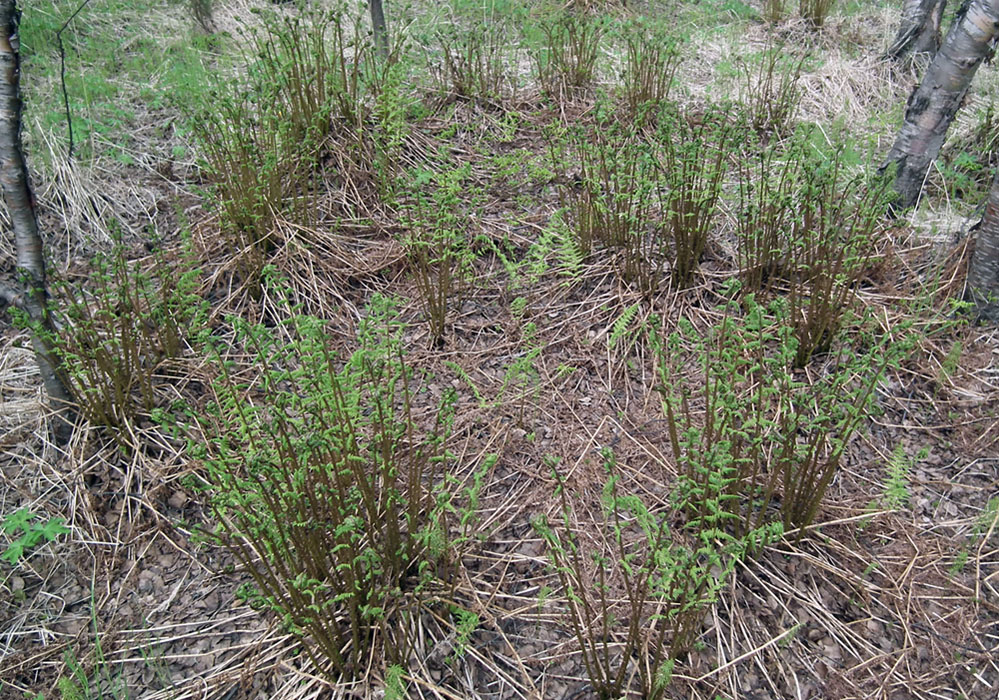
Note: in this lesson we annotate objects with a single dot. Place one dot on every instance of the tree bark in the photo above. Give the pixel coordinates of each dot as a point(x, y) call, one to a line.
point(933, 104)
point(919, 33)
point(379, 28)
point(20, 202)
point(983, 273)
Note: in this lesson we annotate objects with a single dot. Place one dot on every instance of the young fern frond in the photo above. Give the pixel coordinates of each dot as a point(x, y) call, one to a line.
point(896, 487)
point(568, 253)
point(622, 325)
point(899, 468)
point(539, 255)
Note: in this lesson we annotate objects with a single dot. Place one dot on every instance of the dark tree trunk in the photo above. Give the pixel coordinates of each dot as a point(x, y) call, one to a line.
point(919, 33)
point(935, 101)
point(983, 274)
point(21, 206)
point(379, 28)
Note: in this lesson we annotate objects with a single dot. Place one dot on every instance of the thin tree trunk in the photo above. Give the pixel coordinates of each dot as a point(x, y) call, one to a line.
point(983, 273)
point(379, 28)
point(21, 206)
point(919, 33)
point(933, 104)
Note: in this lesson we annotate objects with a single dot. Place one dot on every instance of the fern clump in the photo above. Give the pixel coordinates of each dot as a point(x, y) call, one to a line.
point(335, 497)
point(117, 340)
point(636, 594)
point(753, 428)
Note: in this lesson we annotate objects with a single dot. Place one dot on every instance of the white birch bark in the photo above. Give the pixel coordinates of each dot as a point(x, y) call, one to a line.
point(933, 104)
point(21, 205)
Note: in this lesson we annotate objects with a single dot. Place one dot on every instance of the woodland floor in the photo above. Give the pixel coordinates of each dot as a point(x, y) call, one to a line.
point(868, 603)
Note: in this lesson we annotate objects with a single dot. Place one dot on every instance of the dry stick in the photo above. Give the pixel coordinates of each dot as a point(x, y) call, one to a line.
point(490, 617)
point(978, 560)
point(62, 75)
point(739, 658)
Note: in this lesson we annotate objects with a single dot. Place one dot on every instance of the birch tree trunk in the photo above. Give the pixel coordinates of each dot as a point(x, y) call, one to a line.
point(933, 104)
point(983, 273)
point(919, 32)
point(379, 28)
point(21, 206)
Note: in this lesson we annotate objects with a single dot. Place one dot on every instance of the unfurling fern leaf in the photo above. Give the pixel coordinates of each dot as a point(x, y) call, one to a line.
point(897, 484)
point(570, 256)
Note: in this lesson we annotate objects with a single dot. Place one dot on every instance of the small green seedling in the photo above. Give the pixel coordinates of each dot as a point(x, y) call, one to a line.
point(32, 533)
point(466, 622)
